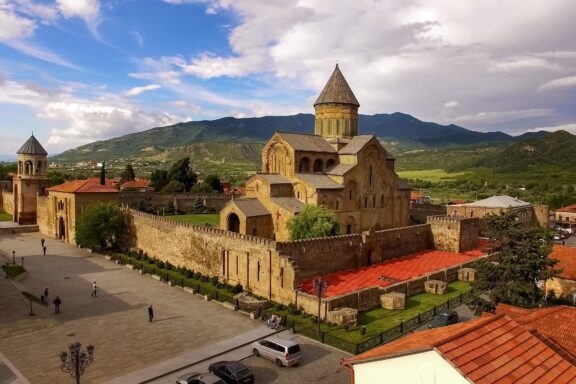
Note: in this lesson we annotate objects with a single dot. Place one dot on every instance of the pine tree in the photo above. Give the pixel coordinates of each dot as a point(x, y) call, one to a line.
point(103, 174)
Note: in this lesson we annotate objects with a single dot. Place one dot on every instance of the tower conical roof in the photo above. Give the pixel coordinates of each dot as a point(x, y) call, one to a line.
point(337, 90)
point(32, 147)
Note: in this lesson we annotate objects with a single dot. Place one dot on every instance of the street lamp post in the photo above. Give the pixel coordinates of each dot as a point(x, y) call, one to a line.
point(79, 360)
point(320, 287)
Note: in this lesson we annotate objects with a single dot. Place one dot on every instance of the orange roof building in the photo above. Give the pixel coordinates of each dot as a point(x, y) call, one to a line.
point(492, 349)
point(566, 217)
point(565, 283)
point(59, 212)
point(141, 185)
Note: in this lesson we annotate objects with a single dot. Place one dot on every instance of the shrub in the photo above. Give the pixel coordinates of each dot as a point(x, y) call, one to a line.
point(204, 279)
point(188, 273)
point(169, 266)
point(160, 264)
point(237, 288)
point(197, 276)
point(214, 281)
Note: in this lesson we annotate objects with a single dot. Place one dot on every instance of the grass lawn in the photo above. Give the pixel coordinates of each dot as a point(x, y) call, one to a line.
point(5, 216)
point(433, 175)
point(12, 271)
point(212, 219)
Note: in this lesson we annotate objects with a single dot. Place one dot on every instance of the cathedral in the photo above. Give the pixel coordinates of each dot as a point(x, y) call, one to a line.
point(351, 174)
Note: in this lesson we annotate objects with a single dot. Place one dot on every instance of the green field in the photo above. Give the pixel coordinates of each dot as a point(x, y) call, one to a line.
point(5, 216)
point(212, 219)
point(433, 175)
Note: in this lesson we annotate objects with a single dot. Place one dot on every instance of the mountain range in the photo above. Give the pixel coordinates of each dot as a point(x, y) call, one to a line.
point(242, 138)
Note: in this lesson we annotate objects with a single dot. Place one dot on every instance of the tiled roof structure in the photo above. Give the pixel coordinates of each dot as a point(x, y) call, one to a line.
point(273, 178)
point(340, 169)
point(337, 90)
point(319, 181)
point(250, 207)
point(566, 257)
point(391, 271)
point(355, 145)
point(91, 185)
point(307, 142)
point(498, 202)
point(136, 183)
point(290, 203)
point(490, 350)
point(32, 147)
point(568, 209)
point(556, 323)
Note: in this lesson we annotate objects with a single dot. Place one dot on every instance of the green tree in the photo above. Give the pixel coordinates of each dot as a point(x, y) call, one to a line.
point(101, 226)
point(312, 222)
point(181, 171)
point(159, 179)
point(128, 173)
point(174, 186)
point(103, 174)
point(213, 181)
point(523, 261)
point(201, 188)
point(5, 169)
point(56, 178)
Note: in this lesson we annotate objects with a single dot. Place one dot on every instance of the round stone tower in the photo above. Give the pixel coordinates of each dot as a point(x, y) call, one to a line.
point(31, 180)
point(336, 109)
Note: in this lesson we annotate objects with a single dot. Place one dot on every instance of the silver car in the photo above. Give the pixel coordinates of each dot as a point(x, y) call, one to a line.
point(283, 352)
point(199, 378)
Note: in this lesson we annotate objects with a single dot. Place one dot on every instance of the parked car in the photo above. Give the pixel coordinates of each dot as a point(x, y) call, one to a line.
point(232, 372)
point(443, 319)
point(199, 378)
point(557, 236)
point(283, 352)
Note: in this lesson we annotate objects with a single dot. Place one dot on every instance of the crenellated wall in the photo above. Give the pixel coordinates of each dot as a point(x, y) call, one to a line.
point(454, 233)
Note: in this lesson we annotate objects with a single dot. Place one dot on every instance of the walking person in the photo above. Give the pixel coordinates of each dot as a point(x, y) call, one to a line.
point(94, 290)
point(44, 250)
point(57, 303)
point(150, 314)
point(46, 295)
point(42, 242)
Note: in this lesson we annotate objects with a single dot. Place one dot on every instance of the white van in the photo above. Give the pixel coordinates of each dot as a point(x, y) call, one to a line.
point(283, 352)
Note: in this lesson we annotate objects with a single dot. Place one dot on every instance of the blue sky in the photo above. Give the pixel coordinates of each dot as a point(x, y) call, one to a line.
point(76, 71)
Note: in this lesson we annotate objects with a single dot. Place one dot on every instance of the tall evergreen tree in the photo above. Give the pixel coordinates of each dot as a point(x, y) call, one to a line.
point(523, 261)
point(182, 171)
point(158, 179)
point(128, 173)
point(103, 174)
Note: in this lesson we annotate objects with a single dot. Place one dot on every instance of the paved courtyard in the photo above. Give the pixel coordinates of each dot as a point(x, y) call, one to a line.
point(115, 322)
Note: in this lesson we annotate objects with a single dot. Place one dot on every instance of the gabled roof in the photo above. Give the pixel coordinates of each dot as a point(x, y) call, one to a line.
point(337, 90)
point(306, 142)
point(319, 181)
point(556, 323)
point(340, 169)
point(291, 204)
point(567, 260)
point(489, 350)
point(271, 178)
point(136, 183)
point(250, 207)
point(91, 185)
point(355, 145)
point(32, 147)
point(498, 202)
point(568, 209)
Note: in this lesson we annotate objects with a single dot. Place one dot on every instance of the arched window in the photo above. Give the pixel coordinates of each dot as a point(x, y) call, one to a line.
point(374, 201)
point(337, 204)
point(304, 166)
point(28, 167)
point(38, 167)
point(20, 167)
point(318, 165)
point(381, 201)
point(330, 163)
point(233, 223)
point(370, 176)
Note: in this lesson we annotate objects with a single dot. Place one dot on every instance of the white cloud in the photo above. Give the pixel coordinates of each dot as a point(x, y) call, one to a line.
point(139, 90)
point(451, 104)
point(565, 127)
point(85, 9)
point(12, 26)
point(137, 37)
point(30, 49)
point(562, 83)
point(502, 116)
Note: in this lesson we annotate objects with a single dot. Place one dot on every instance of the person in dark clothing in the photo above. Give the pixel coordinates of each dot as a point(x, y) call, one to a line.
point(150, 314)
point(46, 294)
point(42, 242)
point(44, 250)
point(57, 303)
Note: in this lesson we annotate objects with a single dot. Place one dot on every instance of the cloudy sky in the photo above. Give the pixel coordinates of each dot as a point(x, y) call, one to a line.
point(75, 71)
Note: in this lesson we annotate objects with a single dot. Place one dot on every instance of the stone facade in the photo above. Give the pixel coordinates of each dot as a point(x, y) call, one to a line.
point(566, 216)
point(184, 202)
point(349, 174)
point(455, 234)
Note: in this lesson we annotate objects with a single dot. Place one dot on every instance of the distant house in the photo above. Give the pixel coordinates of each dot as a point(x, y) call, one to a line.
point(565, 283)
point(136, 185)
point(489, 350)
point(498, 204)
point(417, 198)
point(566, 217)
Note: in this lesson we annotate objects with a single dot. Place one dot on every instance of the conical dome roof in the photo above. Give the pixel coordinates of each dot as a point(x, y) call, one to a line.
point(337, 90)
point(32, 147)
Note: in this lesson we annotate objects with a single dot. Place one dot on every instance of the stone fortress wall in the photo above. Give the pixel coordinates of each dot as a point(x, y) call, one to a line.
point(8, 202)
point(184, 202)
point(274, 269)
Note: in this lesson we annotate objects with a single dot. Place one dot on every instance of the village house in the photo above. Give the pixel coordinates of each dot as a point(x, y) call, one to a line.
point(566, 217)
point(565, 283)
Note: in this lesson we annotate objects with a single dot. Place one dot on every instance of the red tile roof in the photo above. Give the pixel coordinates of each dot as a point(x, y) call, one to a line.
point(567, 260)
point(569, 209)
point(391, 271)
point(489, 350)
point(136, 183)
point(556, 323)
point(91, 185)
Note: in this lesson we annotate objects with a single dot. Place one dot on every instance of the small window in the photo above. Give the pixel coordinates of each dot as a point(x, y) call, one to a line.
point(366, 202)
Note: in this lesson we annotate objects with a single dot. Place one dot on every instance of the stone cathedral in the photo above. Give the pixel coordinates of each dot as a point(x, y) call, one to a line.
point(351, 174)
